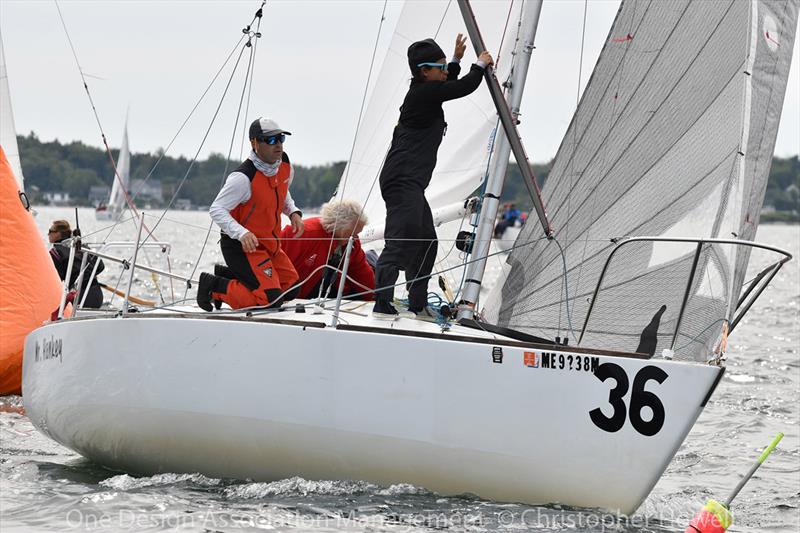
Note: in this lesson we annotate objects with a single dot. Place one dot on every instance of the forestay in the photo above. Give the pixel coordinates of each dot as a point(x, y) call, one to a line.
point(673, 137)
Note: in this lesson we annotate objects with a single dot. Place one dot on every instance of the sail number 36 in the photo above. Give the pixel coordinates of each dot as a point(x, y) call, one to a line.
point(640, 398)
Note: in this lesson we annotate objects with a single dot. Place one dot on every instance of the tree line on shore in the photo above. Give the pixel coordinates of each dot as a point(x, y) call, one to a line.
point(74, 167)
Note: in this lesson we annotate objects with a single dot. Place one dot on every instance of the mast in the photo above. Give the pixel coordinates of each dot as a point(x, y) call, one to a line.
point(508, 113)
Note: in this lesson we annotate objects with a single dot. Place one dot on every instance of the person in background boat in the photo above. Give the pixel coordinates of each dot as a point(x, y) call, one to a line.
point(410, 234)
point(510, 216)
point(248, 211)
point(326, 237)
point(59, 232)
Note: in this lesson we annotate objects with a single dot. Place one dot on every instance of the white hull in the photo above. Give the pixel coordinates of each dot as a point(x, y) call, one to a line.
point(265, 401)
point(104, 215)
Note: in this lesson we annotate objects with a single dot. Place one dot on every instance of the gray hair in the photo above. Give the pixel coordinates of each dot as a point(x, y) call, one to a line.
point(341, 214)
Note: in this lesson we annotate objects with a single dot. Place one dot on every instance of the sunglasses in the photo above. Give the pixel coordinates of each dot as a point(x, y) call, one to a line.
point(442, 66)
point(53, 231)
point(272, 139)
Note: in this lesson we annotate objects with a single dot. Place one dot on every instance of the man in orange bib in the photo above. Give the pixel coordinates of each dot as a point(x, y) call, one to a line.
point(248, 210)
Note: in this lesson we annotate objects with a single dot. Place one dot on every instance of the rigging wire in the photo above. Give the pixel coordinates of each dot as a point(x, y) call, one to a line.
point(441, 21)
point(353, 145)
point(128, 199)
point(246, 88)
point(180, 129)
point(571, 170)
point(94, 111)
point(200, 147)
point(120, 220)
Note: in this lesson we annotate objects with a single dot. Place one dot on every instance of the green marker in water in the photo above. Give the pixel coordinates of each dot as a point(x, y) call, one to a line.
point(715, 517)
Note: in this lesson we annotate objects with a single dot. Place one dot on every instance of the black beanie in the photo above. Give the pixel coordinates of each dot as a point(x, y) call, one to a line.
point(426, 51)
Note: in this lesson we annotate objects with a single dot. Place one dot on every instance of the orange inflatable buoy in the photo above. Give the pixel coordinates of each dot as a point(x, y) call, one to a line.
point(29, 285)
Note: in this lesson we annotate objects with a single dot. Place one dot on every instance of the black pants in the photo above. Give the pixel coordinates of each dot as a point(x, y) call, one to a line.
point(408, 216)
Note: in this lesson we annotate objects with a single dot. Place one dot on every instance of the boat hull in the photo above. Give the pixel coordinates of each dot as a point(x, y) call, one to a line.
point(266, 401)
point(105, 215)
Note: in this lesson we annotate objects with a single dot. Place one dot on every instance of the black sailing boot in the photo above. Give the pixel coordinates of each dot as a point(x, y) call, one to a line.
point(208, 284)
point(204, 291)
point(222, 271)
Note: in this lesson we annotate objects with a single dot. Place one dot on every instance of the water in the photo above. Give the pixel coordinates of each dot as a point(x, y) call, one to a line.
point(46, 487)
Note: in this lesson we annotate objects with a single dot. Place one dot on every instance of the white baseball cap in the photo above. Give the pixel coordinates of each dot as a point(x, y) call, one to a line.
point(265, 127)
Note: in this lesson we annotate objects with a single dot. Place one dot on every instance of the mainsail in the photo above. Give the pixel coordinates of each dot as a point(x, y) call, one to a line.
point(8, 132)
point(673, 137)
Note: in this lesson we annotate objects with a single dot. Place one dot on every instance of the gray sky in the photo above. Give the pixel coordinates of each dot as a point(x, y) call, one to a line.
point(157, 57)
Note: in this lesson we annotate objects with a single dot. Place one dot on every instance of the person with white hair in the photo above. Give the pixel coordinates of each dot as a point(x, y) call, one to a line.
point(324, 241)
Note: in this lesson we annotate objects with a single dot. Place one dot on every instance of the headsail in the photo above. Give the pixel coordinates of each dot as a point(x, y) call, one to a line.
point(673, 137)
point(8, 132)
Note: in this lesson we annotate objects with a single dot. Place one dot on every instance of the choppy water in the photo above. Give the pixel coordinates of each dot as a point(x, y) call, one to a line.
point(46, 487)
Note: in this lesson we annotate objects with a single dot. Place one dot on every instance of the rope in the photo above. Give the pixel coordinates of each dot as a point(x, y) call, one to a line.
point(566, 294)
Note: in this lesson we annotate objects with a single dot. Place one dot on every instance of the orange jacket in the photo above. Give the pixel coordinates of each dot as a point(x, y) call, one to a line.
point(261, 214)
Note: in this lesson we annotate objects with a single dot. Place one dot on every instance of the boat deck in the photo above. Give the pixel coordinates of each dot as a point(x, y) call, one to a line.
point(355, 316)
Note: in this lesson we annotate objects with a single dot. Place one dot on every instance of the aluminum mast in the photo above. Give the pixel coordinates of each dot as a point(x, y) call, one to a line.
point(508, 112)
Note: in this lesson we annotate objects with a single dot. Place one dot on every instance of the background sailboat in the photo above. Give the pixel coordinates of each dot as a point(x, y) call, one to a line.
point(120, 185)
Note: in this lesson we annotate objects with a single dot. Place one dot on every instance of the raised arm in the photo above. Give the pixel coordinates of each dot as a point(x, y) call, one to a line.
point(458, 88)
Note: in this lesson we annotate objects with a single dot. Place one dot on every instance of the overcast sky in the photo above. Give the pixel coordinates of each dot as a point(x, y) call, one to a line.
point(157, 57)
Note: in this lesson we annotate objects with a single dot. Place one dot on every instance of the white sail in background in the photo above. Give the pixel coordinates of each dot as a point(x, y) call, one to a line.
point(118, 190)
point(8, 132)
point(120, 186)
point(673, 137)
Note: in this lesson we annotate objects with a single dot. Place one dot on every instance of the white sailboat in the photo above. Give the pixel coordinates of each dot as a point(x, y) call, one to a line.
point(120, 184)
point(8, 132)
point(473, 407)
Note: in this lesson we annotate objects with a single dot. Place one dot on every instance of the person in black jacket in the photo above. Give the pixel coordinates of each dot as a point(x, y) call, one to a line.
point(409, 231)
point(59, 253)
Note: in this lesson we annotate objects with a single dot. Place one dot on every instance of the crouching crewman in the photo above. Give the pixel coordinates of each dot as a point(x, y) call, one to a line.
point(248, 210)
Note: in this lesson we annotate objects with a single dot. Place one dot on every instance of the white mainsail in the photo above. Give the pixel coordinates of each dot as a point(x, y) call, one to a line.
point(8, 132)
point(673, 137)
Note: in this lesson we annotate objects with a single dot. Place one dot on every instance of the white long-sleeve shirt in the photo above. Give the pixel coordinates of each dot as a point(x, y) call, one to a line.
point(236, 191)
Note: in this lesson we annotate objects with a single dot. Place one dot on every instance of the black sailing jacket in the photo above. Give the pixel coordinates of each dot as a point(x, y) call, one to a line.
point(418, 134)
